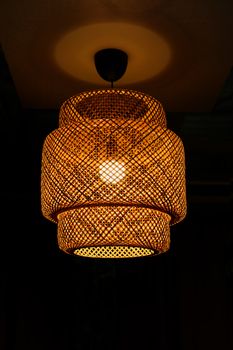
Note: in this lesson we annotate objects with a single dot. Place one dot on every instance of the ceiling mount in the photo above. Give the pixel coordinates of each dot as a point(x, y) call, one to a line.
point(111, 63)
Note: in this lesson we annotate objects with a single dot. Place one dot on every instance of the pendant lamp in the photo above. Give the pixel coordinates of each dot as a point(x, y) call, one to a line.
point(113, 175)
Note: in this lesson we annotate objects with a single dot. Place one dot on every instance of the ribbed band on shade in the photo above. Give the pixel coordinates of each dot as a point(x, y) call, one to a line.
point(113, 176)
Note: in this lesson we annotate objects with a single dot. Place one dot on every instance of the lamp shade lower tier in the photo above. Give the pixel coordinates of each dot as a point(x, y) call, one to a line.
point(113, 231)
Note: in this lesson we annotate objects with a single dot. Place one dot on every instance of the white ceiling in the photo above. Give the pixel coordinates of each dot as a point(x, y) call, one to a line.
point(198, 34)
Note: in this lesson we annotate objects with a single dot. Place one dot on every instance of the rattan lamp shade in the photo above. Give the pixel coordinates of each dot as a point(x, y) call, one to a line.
point(113, 175)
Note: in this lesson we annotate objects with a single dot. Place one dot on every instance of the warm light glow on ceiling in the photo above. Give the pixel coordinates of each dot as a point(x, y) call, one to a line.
point(148, 51)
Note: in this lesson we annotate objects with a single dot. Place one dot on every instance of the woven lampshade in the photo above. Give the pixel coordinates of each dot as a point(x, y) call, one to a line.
point(113, 175)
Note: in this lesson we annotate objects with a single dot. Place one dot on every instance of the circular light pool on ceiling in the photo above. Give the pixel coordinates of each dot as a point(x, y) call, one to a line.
point(148, 52)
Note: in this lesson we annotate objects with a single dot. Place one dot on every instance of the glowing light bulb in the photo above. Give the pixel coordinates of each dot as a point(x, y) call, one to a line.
point(111, 171)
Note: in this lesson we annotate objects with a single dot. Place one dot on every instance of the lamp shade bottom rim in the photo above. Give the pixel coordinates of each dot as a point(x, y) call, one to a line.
point(119, 251)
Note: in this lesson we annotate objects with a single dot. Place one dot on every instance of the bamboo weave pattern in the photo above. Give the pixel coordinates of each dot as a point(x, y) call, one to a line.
point(113, 175)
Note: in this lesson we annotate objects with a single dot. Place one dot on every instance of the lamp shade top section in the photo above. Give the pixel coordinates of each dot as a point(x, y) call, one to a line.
point(118, 104)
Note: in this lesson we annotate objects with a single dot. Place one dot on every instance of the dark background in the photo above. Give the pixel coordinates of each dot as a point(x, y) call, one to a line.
point(179, 300)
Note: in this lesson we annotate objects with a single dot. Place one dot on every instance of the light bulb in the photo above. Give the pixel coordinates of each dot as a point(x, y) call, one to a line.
point(111, 171)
